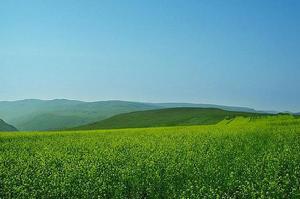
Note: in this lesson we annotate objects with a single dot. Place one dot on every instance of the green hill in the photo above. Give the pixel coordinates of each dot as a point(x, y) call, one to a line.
point(35, 115)
point(166, 117)
point(6, 127)
point(28, 115)
point(226, 108)
point(48, 121)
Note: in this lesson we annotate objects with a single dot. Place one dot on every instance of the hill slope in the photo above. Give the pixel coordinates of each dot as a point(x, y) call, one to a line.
point(38, 115)
point(59, 114)
point(166, 117)
point(6, 127)
point(226, 108)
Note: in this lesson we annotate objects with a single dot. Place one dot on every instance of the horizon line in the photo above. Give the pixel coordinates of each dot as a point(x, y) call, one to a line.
point(153, 102)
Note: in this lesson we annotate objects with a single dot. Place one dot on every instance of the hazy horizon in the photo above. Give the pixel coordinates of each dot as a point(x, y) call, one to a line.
point(233, 53)
point(151, 102)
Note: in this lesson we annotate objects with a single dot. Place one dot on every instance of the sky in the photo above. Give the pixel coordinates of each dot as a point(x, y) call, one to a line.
point(235, 52)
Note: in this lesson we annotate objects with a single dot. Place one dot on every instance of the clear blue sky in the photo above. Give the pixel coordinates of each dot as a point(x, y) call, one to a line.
point(235, 52)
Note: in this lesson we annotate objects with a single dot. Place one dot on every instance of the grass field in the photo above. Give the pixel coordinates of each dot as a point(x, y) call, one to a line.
point(238, 158)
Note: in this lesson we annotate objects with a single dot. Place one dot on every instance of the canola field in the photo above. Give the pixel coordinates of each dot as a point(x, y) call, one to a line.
point(239, 158)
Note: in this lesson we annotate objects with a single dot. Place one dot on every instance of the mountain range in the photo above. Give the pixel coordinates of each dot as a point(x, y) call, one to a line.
point(38, 115)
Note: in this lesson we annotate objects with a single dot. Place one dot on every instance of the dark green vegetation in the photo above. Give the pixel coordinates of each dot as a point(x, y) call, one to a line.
point(166, 117)
point(237, 158)
point(6, 127)
point(32, 115)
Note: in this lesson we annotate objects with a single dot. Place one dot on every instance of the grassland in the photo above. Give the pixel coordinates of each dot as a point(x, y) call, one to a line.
point(236, 158)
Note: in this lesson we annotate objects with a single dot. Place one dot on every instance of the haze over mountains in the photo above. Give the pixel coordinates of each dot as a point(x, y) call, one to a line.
point(34, 114)
point(30, 115)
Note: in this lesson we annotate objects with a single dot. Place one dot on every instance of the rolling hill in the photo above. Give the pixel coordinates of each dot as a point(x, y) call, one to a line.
point(35, 115)
point(6, 127)
point(226, 108)
point(166, 117)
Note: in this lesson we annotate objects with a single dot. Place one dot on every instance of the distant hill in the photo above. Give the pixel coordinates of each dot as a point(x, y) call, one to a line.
point(59, 114)
point(226, 108)
point(6, 127)
point(166, 117)
point(33, 114)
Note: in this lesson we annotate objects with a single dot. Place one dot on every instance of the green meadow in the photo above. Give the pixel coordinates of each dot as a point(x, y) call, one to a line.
point(243, 157)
